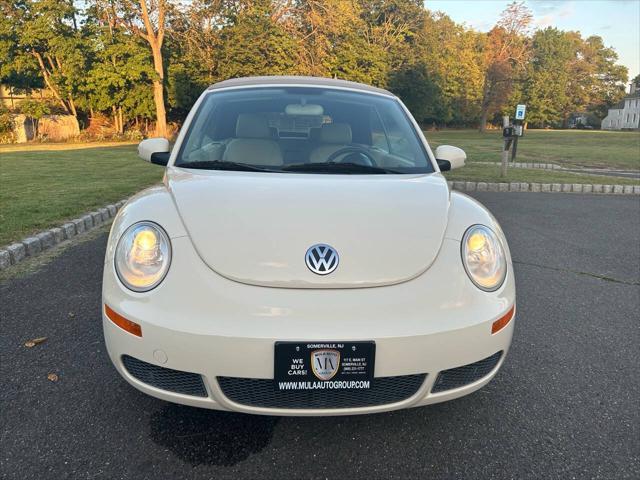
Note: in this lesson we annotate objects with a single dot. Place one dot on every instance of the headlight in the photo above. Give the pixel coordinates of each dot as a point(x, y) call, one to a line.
point(483, 258)
point(143, 256)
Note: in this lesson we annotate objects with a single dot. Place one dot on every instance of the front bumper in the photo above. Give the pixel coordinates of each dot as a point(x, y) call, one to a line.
point(197, 321)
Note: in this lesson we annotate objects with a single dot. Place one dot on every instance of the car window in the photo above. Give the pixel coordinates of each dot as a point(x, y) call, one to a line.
point(302, 130)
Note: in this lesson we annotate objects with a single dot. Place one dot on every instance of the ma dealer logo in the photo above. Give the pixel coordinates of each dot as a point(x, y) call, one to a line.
point(325, 363)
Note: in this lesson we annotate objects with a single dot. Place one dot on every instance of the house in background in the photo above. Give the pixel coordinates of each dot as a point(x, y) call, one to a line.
point(625, 115)
point(11, 97)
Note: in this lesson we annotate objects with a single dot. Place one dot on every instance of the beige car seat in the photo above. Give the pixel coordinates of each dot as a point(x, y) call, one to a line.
point(334, 136)
point(253, 143)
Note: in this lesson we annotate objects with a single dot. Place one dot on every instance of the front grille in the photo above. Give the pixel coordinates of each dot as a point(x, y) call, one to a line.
point(461, 376)
point(165, 378)
point(256, 392)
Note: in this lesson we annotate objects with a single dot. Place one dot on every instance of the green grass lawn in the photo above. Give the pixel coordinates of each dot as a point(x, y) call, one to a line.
point(41, 186)
point(40, 189)
point(491, 173)
point(587, 148)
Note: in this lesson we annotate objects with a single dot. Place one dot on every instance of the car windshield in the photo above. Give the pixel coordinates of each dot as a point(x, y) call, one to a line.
point(302, 130)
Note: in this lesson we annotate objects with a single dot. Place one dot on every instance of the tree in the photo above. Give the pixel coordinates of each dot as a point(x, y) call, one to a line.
point(548, 86)
point(119, 73)
point(255, 44)
point(34, 110)
point(48, 39)
point(148, 20)
point(451, 57)
point(17, 69)
point(569, 74)
point(602, 81)
point(506, 56)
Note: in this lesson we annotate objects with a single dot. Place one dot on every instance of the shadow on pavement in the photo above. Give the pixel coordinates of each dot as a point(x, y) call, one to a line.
point(199, 436)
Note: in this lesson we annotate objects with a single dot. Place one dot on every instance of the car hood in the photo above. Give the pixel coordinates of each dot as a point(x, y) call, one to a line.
point(256, 228)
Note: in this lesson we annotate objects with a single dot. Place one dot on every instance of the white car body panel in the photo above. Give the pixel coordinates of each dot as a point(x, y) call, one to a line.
point(399, 220)
point(217, 312)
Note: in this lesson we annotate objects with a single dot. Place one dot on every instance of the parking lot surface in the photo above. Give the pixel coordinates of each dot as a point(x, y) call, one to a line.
point(564, 405)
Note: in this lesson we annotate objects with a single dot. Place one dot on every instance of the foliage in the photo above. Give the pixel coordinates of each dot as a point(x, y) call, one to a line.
point(6, 126)
point(143, 60)
point(569, 74)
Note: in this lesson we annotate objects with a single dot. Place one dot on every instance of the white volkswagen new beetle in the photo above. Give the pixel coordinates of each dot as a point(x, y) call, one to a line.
point(305, 256)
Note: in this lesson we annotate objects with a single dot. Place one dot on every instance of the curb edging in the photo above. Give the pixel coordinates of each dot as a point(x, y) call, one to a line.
point(40, 242)
point(464, 186)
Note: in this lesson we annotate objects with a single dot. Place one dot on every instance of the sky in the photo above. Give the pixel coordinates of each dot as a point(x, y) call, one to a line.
point(616, 21)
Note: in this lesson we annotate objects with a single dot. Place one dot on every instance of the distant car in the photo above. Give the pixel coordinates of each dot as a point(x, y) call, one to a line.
point(305, 256)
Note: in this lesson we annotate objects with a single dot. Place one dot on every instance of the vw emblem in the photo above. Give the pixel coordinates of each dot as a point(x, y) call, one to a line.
point(322, 259)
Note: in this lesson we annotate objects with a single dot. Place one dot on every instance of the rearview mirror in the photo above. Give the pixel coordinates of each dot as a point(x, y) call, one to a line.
point(449, 157)
point(154, 150)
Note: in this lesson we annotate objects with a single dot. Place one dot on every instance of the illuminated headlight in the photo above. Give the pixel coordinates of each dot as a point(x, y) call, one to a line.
point(484, 258)
point(143, 256)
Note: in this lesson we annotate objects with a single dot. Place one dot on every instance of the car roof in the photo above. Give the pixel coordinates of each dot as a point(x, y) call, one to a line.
point(297, 80)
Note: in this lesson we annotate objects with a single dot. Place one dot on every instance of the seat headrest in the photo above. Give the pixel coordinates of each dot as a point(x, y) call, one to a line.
point(339, 133)
point(250, 125)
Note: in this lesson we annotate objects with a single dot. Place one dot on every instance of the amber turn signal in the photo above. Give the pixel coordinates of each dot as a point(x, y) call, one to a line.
point(125, 324)
point(503, 320)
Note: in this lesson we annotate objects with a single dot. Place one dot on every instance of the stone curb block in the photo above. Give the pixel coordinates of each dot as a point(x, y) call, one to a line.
point(17, 252)
point(46, 239)
point(5, 259)
point(543, 187)
point(105, 214)
point(88, 222)
point(78, 223)
point(58, 234)
point(69, 230)
point(31, 246)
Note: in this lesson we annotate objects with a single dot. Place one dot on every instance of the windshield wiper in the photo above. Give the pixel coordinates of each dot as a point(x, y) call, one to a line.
point(224, 165)
point(334, 167)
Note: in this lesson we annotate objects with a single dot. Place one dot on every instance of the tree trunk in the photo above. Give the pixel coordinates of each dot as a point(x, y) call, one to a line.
point(121, 120)
point(72, 107)
point(158, 91)
point(483, 119)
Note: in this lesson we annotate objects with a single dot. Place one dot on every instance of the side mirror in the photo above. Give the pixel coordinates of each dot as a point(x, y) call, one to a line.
point(154, 150)
point(449, 157)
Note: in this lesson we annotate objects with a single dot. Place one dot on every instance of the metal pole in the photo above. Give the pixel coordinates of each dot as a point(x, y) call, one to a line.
point(505, 149)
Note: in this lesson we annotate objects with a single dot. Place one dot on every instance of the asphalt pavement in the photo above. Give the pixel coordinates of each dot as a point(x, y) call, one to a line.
point(564, 405)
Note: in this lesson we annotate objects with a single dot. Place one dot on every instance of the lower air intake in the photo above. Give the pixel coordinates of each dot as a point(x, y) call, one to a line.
point(165, 378)
point(461, 376)
point(255, 392)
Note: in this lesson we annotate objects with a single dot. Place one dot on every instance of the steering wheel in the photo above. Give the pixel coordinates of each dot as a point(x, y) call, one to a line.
point(363, 156)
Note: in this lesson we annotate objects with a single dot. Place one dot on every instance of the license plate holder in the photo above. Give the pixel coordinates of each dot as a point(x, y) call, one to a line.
point(324, 365)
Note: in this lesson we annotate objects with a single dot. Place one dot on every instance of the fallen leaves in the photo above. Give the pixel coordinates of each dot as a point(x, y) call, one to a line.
point(36, 341)
point(52, 377)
